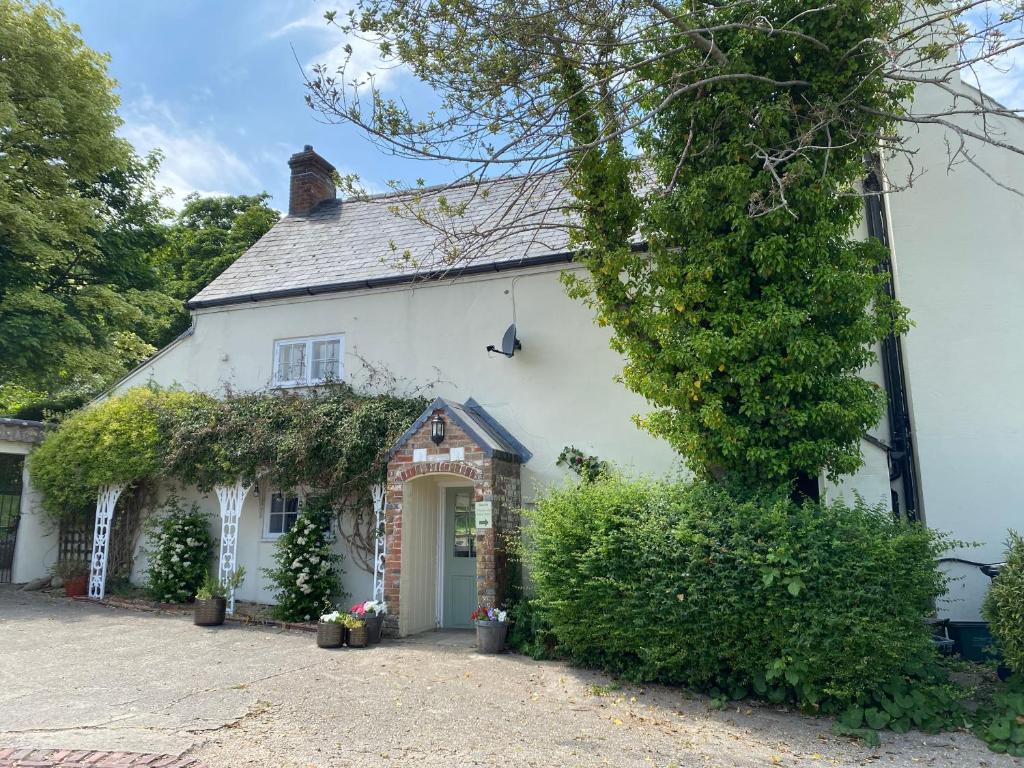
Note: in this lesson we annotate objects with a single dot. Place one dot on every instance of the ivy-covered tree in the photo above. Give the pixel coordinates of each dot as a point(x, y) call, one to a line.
point(729, 140)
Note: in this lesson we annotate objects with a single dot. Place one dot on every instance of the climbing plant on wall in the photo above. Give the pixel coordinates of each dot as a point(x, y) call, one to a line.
point(333, 441)
point(118, 441)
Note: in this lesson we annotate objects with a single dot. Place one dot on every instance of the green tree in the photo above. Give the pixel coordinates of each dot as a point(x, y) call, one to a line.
point(78, 210)
point(730, 138)
point(208, 234)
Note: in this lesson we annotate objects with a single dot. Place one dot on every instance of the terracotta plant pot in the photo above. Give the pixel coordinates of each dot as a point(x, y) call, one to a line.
point(330, 635)
point(209, 613)
point(490, 636)
point(358, 637)
point(76, 587)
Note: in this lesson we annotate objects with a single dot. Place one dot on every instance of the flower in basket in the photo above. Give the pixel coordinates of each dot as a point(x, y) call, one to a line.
point(334, 617)
point(369, 608)
point(352, 622)
point(488, 614)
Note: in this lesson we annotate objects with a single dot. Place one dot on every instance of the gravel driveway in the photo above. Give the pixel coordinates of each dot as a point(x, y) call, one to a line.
point(80, 676)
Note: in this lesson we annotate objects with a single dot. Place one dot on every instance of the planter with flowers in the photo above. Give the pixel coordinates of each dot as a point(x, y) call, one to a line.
point(211, 599)
point(358, 636)
point(373, 613)
point(75, 576)
point(331, 631)
point(491, 629)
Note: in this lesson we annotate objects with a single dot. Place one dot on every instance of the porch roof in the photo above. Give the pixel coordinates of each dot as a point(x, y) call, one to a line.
point(494, 440)
point(22, 430)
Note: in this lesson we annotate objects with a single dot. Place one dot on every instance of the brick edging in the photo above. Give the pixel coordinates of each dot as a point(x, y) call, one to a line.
point(22, 757)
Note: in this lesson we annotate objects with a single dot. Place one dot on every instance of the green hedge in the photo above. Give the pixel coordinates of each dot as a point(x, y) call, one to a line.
point(1004, 605)
point(818, 605)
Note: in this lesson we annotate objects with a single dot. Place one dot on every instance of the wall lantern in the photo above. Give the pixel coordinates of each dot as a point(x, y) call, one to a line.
point(437, 429)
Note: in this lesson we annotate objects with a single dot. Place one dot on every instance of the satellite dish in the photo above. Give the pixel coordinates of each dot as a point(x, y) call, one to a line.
point(509, 343)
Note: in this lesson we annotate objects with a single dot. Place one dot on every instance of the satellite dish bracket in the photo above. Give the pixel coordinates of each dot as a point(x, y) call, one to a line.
point(509, 343)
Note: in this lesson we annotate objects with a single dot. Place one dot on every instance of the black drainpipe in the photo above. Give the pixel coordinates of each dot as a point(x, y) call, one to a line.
point(901, 453)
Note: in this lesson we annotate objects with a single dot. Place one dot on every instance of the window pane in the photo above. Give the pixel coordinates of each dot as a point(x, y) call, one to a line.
point(288, 522)
point(293, 504)
point(276, 504)
point(325, 360)
point(275, 525)
point(291, 362)
point(464, 544)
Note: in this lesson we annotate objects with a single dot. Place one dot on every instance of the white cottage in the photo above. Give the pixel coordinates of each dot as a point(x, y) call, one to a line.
point(322, 296)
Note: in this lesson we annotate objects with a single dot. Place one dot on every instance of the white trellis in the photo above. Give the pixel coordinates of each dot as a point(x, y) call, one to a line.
point(106, 500)
point(231, 498)
point(380, 542)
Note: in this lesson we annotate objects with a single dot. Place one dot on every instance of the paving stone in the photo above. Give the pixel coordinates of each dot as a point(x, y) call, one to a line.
point(14, 757)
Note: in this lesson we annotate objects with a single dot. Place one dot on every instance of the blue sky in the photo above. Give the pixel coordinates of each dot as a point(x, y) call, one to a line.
point(217, 87)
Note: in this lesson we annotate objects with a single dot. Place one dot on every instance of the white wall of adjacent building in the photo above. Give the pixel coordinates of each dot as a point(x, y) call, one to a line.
point(35, 546)
point(958, 241)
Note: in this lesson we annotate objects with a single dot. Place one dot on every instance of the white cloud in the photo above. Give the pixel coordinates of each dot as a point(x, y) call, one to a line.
point(195, 160)
point(1004, 82)
point(365, 58)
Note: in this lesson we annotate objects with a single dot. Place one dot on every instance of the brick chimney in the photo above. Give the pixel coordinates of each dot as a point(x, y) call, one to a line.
point(312, 182)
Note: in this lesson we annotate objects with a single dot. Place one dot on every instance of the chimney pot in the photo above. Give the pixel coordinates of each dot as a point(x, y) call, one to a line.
point(312, 182)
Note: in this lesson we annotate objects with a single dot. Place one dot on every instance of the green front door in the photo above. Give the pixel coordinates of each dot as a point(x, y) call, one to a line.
point(459, 557)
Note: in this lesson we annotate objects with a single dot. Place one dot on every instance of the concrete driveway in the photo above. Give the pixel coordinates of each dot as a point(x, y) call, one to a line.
point(80, 676)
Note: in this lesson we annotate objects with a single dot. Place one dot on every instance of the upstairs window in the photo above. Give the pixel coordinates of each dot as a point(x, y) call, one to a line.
point(305, 362)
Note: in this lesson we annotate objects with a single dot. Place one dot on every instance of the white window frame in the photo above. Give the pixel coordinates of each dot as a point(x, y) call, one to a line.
point(298, 494)
point(307, 380)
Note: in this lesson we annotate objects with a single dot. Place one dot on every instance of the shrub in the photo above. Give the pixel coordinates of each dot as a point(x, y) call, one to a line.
point(307, 575)
point(115, 442)
point(1004, 605)
point(818, 605)
point(180, 554)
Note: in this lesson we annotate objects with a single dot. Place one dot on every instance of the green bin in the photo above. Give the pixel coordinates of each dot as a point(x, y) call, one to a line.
point(972, 640)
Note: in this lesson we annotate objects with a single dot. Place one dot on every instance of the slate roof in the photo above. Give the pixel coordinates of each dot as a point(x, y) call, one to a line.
point(379, 240)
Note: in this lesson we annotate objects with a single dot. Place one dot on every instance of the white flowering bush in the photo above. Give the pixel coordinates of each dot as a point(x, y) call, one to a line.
point(179, 552)
point(307, 573)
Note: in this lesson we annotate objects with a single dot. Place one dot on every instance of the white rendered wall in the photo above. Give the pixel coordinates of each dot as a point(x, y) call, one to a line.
point(959, 251)
point(255, 552)
point(35, 549)
point(560, 389)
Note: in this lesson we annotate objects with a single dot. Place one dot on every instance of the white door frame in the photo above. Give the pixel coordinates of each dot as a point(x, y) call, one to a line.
point(442, 490)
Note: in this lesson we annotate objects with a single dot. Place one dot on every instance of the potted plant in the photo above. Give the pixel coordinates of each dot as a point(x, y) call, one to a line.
point(75, 576)
point(211, 599)
point(331, 630)
point(357, 633)
point(373, 613)
point(491, 629)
